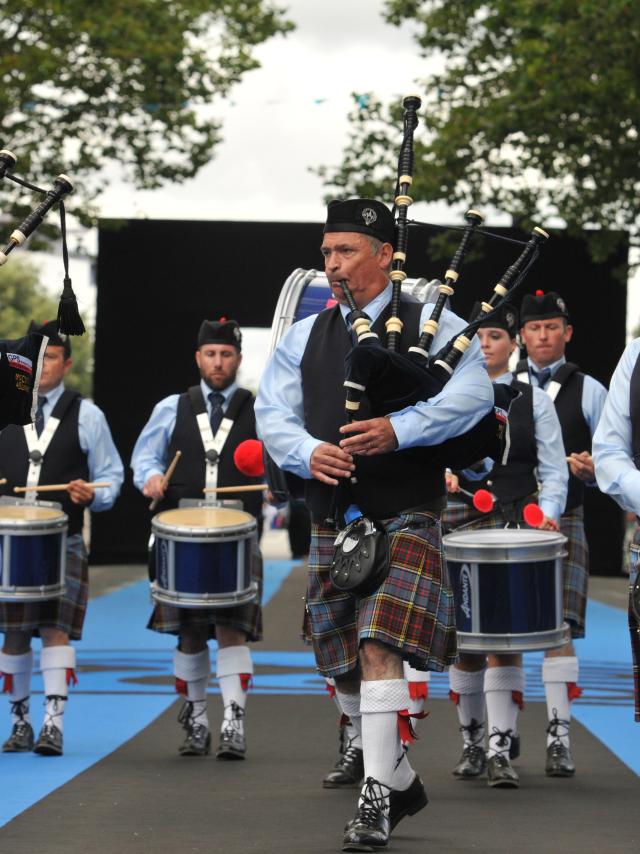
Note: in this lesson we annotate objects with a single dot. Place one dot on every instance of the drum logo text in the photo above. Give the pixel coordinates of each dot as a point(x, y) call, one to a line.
point(465, 591)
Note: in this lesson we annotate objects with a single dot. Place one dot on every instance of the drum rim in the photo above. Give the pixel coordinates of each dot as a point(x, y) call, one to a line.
point(496, 641)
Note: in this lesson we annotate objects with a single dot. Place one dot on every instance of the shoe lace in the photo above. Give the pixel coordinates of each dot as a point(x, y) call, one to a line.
point(350, 754)
point(53, 710)
point(233, 721)
point(373, 801)
point(503, 739)
point(475, 729)
point(185, 716)
point(20, 708)
point(555, 725)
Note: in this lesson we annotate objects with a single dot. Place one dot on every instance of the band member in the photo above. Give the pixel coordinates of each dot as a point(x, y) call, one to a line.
point(174, 425)
point(69, 442)
point(579, 400)
point(616, 453)
point(536, 454)
point(361, 641)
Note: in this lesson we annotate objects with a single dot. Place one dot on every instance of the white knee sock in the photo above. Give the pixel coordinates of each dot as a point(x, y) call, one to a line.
point(192, 671)
point(349, 704)
point(504, 687)
point(17, 670)
point(558, 674)
point(467, 692)
point(380, 702)
point(57, 664)
point(234, 669)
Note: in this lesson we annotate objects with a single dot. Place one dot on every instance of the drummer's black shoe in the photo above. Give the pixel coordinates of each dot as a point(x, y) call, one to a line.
point(472, 763)
point(348, 770)
point(559, 761)
point(49, 741)
point(500, 773)
point(232, 741)
point(21, 738)
point(409, 802)
point(369, 829)
point(198, 738)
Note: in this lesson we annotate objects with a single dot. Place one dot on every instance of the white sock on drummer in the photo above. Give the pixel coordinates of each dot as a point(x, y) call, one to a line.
point(380, 702)
point(234, 669)
point(503, 686)
point(467, 692)
point(18, 669)
point(349, 705)
point(192, 671)
point(558, 673)
point(418, 681)
point(57, 664)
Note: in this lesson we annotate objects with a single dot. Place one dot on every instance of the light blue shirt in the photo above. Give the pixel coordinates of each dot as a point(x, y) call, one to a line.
point(150, 454)
point(594, 394)
point(553, 471)
point(612, 452)
point(94, 436)
point(279, 406)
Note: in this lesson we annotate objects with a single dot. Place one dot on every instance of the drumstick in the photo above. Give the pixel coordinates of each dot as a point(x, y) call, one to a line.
point(166, 478)
point(56, 487)
point(251, 487)
point(2, 480)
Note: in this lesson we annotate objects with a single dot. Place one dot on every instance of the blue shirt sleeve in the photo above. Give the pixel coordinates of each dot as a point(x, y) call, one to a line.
point(553, 472)
point(103, 458)
point(150, 452)
point(594, 395)
point(616, 472)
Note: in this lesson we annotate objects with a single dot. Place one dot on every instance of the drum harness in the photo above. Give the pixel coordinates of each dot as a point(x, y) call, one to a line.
point(38, 445)
point(213, 445)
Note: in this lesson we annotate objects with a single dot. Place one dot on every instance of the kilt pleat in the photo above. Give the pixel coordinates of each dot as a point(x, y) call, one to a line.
point(67, 612)
point(412, 611)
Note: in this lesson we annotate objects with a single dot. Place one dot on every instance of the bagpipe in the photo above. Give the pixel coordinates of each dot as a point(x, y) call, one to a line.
point(21, 358)
point(392, 380)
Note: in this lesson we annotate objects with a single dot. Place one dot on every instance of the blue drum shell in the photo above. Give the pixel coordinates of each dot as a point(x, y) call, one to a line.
point(35, 560)
point(203, 567)
point(514, 598)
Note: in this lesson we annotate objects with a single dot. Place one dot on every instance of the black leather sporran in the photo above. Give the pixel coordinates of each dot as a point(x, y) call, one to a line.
point(361, 557)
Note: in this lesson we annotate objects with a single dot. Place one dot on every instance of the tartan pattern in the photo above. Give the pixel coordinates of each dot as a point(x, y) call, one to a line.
point(412, 611)
point(575, 573)
point(246, 618)
point(67, 612)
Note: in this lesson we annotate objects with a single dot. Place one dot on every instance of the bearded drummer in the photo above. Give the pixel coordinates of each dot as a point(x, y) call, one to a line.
point(536, 465)
point(361, 641)
point(579, 400)
point(173, 426)
point(70, 442)
point(616, 455)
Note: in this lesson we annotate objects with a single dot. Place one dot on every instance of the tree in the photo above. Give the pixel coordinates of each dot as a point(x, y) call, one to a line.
point(131, 82)
point(23, 299)
point(536, 111)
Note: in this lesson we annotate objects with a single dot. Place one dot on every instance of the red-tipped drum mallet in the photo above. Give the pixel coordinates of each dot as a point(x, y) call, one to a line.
point(248, 458)
point(482, 499)
point(533, 515)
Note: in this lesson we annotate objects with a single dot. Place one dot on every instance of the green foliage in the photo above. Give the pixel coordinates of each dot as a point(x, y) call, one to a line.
point(536, 112)
point(128, 81)
point(23, 299)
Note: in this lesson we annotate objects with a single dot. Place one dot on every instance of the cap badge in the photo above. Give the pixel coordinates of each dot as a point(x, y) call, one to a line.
point(369, 216)
point(561, 304)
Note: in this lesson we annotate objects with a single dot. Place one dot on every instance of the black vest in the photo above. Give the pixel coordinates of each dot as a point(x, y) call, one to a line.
point(576, 434)
point(386, 483)
point(516, 479)
point(63, 461)
point(188, 480)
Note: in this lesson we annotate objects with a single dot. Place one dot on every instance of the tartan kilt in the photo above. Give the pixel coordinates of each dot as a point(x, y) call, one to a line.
point(412, 611)
point(246, 618)
point(65, 613)
point(634, 633)
point(575, 574)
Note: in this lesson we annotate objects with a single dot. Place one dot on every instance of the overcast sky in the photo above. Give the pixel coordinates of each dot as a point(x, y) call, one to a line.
point(282, 119)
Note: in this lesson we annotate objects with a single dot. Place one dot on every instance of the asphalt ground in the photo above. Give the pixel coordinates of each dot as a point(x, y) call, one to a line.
point(144, 797)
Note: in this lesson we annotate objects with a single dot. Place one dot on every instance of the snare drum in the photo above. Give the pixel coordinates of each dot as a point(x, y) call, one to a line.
point(203, 557)
point(507, 587)
point(33, 543)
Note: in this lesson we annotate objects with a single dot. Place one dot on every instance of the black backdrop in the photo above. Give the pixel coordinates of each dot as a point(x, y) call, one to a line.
point(158, 279)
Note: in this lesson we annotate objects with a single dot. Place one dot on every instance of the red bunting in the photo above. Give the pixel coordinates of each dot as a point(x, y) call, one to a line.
point(574, 691)
point(7, 687)
point(245, 680)
point(181, 687)
point(418, 690)
point(518, 699)
point(455, 698)
point(71, 676)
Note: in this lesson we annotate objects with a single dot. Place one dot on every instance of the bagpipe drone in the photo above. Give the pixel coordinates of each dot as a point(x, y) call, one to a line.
point(21, 358)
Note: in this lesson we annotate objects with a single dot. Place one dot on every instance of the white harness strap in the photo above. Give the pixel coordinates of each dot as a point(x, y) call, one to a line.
point(37, 446)
point(213, 446)
point(552, 388)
